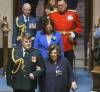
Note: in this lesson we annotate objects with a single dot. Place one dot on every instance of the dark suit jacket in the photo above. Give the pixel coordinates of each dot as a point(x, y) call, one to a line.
point(21, 80)
point(17, 32)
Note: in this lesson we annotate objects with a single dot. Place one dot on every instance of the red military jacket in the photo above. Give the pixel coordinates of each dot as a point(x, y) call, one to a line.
point(69, 21)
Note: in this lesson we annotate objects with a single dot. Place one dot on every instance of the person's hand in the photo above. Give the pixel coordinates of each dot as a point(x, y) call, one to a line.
point(74, 85)
point(72, 35)
point(31, 76)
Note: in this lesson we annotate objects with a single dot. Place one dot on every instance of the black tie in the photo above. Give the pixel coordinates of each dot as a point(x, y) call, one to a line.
point(26, 54)
point(27, 20)
point(27, 24)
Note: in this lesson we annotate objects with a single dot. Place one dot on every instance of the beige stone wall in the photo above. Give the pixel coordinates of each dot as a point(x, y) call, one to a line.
point(96, 11)
point(6, 8)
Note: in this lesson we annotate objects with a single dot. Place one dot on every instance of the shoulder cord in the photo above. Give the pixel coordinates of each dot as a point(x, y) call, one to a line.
point(19, 61)
point(21, 27)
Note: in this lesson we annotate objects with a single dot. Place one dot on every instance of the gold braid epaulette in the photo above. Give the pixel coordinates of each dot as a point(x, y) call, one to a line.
point(19, 61)
point(22, 28)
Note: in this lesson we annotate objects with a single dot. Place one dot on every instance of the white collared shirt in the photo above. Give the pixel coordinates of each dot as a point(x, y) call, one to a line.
point(49, 39)
point(24, 52)
point(25, 18)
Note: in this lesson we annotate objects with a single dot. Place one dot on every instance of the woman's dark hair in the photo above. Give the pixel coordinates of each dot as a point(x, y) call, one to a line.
point(46, 22)
point(52, 47)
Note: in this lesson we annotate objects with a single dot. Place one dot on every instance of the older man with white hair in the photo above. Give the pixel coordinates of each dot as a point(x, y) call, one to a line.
point(24, 23)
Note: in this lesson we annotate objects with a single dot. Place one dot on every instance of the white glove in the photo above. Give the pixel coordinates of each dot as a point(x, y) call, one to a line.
point(74, 85)
point(31, 76)
point(72, 35)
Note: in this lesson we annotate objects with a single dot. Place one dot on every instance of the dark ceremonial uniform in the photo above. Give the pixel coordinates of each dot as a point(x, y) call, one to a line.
point(18, 73)
point(24, 24)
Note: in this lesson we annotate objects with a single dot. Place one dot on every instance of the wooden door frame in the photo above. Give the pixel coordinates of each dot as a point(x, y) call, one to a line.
point(87, 31)
point(16, 8)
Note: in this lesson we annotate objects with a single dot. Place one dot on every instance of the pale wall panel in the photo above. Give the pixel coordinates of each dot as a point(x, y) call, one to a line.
point(96, 11)
point(6, 9)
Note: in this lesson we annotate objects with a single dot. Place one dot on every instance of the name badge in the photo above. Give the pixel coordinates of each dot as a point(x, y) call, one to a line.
point(70, 17)
point(58, 71)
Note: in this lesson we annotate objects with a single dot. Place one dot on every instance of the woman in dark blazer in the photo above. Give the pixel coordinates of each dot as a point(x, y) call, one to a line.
point(46, 37)
point(58, 74)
